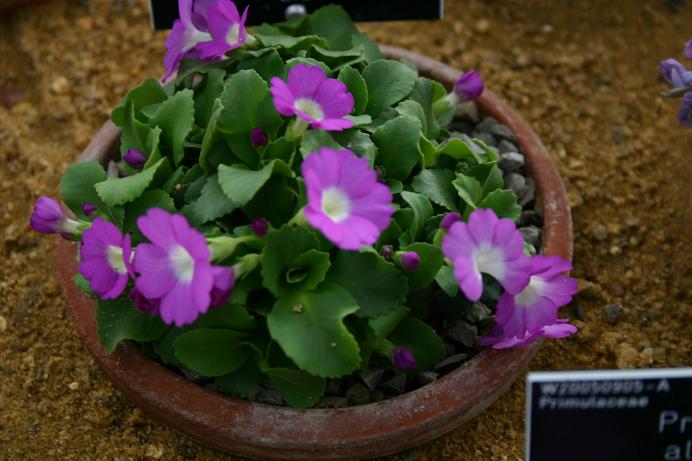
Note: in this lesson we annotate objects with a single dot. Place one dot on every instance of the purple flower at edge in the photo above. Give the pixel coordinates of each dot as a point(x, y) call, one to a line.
point(410, 260)
point(345, 200)
point(487, 245)
point(314, 98)
point(184, 38)
point(685, 112)
point(144, 304)
point(226, 27)
point(675, 73)
point(404, 359)
point(469, 86)
point(175, 267)
point(524, 316)
point(688, 49)
point(498, 339)
point(105, 259)
point(48, 218)
point(135, 158)
point(88, 209)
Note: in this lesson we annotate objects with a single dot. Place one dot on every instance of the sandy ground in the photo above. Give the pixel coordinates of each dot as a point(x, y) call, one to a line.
point(585, 77)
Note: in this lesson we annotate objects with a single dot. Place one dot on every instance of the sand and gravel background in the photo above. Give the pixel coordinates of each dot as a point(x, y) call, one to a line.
point(584, 74)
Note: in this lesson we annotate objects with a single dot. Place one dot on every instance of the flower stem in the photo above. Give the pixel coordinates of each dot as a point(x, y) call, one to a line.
point(224, 246)
point(298, 219)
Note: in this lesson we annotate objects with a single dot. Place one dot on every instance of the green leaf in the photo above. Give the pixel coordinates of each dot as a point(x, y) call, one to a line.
point(431, 259)
point(356, 86)
point(503, 203)
point(291, 63)
point(437, 186)
point(384, 324)
point(247, 90)
point(424, 93)
point(268, 65)
point(280, 149)
point(333, 23)
point(308, 325)
point(230, 316)
point(314, 140)
point(398, 146)
point(146, 93)
point(242, 382)
point(240, 184)
point(422, 211)
point(211, 204)
point(388, 82)
point(371, 51)
point(211, 352)
point(337, 58)
point(461, 150)
point(428, 151)
point(118, 191)
point(421, 339)
point(118, 321)
point(210, 137)
point(488, 175)
point(291, 261)
point(359, 142)
point(469, 189)
point(446, 279)
point(271, 36)
point(298, 388)
point(155, 198)
point(175, 117)
point(77, 187)
point(377, 286)
point(275, 201)
point(134, 133)
point(413, 109)
point(207, 95)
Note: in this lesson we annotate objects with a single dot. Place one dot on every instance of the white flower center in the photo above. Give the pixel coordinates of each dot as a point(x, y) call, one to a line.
point(309, 107)
point(193, 37)
point(531, 293)
point(336, 204)
point(233, 34)
point(115, 259)
point(182, 263)
point(489, 259)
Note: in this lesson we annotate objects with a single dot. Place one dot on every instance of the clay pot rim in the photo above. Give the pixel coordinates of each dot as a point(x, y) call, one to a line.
point(376, 429)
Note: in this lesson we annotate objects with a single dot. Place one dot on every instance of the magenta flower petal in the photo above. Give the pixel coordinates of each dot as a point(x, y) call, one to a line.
point(184, 38)
point(688, 49)
point(449, 219)
point(685, 112)
point(260, 227)
point(259, 137)
point(144, 304)
point(135, 158)
point(675, 73)
point(410, 260)
point(345, 200)
point(175, 267)
point(224, 279)
point(314, 98)
point(226, 27)
point(104, 254)
point(487, 245)
point(88, 209)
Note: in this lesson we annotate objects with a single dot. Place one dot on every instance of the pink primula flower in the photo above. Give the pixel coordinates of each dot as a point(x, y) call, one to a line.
point(105, 259)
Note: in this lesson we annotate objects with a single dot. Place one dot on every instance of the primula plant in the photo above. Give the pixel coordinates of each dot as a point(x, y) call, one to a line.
point(680, 78)
point(292, 208)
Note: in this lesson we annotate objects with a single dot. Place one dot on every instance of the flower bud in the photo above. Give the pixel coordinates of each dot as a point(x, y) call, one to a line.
point(469, 86)
point(410, 260)
point(144, 304)
point(135, 158)
point(48, 218)
point(224, 278)
point(387, 252)
point(88, 209)
point(449, 219)
point(259, 137)
point(260, 226)
point(685, 112)
point(403, 359)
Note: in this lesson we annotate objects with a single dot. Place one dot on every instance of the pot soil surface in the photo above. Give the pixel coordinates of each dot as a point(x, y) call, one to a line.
point(588, 84)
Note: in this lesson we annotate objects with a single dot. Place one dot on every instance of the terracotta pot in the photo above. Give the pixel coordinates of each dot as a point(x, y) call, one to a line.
point(269, 432)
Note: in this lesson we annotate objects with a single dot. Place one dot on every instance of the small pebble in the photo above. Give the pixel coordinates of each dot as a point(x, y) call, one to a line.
point(503, 132)
point(510, 162)
point(270, 397)
point(517, 183)
point(426, 377)
point(529, 193)
point(462, 332)
point(3, 323)
point(154, 451)
point(507, 147)
point(486, 123)
point(358, 394)
point(532, 235)
point(332, 402)
point(487, 138)
point(599, 232)
point(372, 377)
point(468, 112)
point(335, 386)
point(397, 384)
point(450, 362)
point(74, 385)
point(530, 218)
point(613, 312)
point(378, 395)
